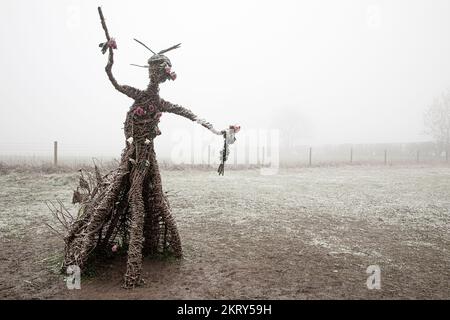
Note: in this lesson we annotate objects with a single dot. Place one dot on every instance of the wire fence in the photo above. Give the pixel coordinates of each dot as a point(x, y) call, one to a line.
point(381, 154)
point(286, 156)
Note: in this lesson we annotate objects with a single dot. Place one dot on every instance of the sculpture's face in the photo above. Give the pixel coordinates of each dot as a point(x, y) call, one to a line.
point(160, 68)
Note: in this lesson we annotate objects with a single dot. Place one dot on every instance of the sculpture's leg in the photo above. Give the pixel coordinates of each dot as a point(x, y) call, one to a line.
point(136, 229)
point(155, 231)
point(173, 241)
point(151, 222)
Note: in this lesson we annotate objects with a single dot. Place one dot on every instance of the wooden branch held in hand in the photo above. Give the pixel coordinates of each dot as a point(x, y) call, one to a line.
point(102, 19)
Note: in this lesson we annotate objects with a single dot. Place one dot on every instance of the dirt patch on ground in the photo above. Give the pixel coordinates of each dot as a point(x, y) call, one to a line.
point(301, 234)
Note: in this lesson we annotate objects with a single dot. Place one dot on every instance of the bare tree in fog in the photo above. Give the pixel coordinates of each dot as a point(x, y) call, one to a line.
point(437, 120)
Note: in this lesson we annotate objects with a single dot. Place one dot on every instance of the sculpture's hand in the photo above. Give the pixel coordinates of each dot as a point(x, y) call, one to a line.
point(111, 43)
point(229, 137)
point(230, 133)
point(235, 127)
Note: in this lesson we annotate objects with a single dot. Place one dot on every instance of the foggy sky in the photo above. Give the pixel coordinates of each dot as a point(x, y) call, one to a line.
point(350, 71)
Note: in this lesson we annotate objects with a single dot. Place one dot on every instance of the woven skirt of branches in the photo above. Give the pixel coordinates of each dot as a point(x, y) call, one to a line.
point(125, 210)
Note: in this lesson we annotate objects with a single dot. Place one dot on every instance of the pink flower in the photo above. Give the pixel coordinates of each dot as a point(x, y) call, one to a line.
point(114, 248)
point(157, 115)
point(236, 128)
point(139, 111)
point(112, 43)
point(151, 108)
point(171, 74)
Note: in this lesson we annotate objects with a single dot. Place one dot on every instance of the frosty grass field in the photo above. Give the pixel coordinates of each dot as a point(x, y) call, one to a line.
point(302, 234)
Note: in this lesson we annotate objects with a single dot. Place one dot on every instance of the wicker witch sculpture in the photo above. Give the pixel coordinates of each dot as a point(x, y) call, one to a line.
point(126, 210)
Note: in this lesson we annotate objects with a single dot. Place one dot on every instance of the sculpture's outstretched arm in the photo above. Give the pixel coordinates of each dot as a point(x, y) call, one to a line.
point(184, 112)
point(127, 90)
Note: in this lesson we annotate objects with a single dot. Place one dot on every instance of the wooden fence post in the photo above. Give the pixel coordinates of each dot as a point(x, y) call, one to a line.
point(55, 153)
point(258, 162)
point(310, 156)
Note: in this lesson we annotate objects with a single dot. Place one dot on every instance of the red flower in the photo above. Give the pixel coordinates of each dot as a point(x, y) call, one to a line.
point(139, 111)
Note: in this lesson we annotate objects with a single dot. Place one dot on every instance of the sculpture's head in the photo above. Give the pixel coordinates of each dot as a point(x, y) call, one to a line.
point(159, 66)
point(160, 69)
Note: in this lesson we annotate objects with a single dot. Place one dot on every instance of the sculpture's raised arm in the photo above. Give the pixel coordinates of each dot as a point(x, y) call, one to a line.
point(127, 90)
point(109, 45)
point(184, 112)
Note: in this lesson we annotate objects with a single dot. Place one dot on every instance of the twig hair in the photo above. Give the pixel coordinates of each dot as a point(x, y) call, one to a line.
point(141, 43)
